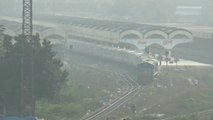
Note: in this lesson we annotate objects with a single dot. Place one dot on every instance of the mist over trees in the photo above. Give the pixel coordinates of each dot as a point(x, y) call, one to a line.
point(48, 74)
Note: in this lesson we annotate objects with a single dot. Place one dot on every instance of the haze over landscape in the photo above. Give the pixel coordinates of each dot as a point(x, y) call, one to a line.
point(106, 60)
point(134, 10)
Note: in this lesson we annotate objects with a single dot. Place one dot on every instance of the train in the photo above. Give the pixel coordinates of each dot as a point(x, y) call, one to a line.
point(147, 67)
point(147, 71)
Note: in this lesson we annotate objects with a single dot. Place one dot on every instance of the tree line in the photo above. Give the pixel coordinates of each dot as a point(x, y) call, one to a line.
point(48, 73)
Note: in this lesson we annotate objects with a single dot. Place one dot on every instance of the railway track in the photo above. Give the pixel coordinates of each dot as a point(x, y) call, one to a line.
point(132, 89)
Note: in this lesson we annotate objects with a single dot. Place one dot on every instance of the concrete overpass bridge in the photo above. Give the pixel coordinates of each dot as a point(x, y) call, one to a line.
point(105, 32)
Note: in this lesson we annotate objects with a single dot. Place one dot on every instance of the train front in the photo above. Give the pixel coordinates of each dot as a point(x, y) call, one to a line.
point(147, 71)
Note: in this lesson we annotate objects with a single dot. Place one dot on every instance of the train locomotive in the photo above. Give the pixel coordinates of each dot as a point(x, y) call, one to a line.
point(147, 68)
point(147, 71)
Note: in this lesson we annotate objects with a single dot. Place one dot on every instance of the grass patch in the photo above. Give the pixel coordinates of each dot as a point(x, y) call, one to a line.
point(182, 98)
point(81, 94)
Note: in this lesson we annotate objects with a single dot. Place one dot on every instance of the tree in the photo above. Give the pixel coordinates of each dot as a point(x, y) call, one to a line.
point(167, 59)
point(48, 75)
point(10, 77)
point(146, 50)
point(1, 40)
point(160, 58)
point(176, 61)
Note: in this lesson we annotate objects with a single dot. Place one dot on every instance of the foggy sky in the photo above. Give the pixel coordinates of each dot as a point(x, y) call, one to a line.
point(147, 10)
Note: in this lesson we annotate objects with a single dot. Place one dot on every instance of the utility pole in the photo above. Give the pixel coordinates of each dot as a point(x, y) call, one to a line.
point(27, 26)
point(27, 102)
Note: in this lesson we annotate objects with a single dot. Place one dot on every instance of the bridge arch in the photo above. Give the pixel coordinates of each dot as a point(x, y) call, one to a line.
point(131, 34)
point(181, 34)
point(155, 34)
point(157, 48)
